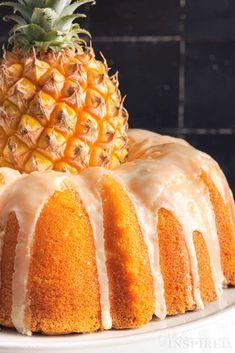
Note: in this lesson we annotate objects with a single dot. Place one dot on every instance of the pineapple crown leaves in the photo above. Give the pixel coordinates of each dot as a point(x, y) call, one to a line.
point(46, 24)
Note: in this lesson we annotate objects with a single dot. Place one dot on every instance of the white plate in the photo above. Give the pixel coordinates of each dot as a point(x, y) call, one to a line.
point(155, 334)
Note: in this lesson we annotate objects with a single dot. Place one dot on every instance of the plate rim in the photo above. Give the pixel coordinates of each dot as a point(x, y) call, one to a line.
point(134, 335)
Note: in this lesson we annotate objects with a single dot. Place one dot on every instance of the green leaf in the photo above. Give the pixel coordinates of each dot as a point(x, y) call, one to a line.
point(26, 13)
point(84, 31)
point(15, 18)
point(64, 23)
point(32, 31)
point(42, 27)
point(22, 2)
point(51, 36)
point(70, 9)
point(58, 5)
point(36, 3)
point(16, 30)
point(44, 18)
point(20, 39)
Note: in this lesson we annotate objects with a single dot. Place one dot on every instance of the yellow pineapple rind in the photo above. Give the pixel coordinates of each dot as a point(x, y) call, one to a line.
point(60, 111)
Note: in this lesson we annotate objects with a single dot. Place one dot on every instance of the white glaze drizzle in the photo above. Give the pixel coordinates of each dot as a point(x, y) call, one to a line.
point(9, 176)
point(161, 172)
point(86, 187)
point(220, 181)
point(176, 153)
point(132, 183)
point(157, 187)
point(43, 186)
point(26, 198)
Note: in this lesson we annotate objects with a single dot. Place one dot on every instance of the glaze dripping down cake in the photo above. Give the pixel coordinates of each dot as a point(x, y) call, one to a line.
point(112, 248)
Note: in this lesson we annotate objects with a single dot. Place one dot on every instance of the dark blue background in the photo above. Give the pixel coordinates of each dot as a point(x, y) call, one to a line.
point(177, 65)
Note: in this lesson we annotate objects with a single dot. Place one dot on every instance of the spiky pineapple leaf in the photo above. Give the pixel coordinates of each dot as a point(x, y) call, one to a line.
point(36, 3)
point(44, 18)
point(24, 11)
point(65, 22)
point(31, 31)
point(17, 19)
point(68, 10)
point(26, 36)
point(21, 2)
point(58, 5)
point(46, 24)
point(84, 31)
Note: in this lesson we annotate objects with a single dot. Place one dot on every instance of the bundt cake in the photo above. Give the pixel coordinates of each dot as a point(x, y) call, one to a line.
point(112, 248)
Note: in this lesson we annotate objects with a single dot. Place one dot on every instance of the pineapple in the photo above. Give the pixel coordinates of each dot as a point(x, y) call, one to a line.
point(59, 109)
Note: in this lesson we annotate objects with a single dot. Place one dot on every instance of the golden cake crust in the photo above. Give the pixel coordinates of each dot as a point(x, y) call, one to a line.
point(63, 287)
point(147, 261)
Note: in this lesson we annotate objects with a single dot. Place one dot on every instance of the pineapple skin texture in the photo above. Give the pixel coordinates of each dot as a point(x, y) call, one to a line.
point(60, 111)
